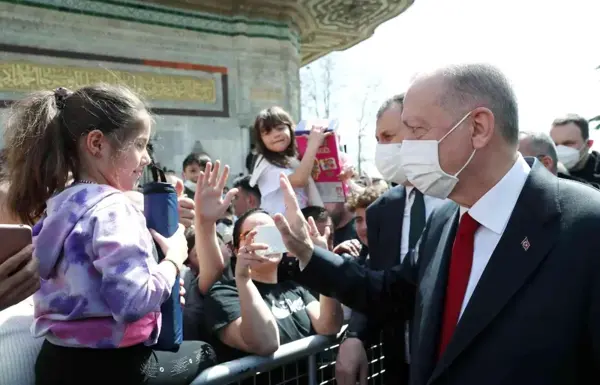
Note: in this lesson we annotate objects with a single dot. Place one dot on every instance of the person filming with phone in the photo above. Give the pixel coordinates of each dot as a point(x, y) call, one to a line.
point(255, 313)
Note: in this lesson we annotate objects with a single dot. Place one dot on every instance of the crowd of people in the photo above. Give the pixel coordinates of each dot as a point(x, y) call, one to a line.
point(472, 253)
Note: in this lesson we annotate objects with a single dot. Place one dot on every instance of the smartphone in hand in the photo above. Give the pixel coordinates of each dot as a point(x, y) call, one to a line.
point(13, 238)
point(270, 235)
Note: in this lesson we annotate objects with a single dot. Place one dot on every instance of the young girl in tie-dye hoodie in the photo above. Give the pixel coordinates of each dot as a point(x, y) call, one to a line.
point(98, 307)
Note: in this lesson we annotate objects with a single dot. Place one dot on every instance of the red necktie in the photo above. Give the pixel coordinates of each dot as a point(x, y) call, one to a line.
point(458, 277)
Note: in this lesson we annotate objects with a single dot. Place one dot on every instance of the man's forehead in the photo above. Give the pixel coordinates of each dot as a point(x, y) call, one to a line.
point(570, 130)
point(425, 92)
point(390, 119)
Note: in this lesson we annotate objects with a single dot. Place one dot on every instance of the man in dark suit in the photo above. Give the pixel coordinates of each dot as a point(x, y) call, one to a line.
point(384, 232)
point(395, 222)
point(506, 287)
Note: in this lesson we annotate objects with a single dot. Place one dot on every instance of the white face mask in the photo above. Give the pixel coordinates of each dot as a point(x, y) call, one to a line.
point(420, 161)
point(387, 162)
point(568, 156)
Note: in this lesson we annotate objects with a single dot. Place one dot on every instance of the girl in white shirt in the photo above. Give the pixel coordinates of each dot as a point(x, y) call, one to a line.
point(277, 152)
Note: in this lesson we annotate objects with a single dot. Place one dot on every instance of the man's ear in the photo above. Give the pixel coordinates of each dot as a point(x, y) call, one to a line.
point(254, 200)
point(547, 162)
point(590, 143)
point(483, 127)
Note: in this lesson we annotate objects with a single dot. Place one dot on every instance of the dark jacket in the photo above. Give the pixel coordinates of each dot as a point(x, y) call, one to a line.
point(534, 317)
point(384, 231)
point(590, 172)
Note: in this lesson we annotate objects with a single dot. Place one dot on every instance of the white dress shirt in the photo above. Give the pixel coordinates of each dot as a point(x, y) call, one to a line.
point(431, 204)
point(492, 211)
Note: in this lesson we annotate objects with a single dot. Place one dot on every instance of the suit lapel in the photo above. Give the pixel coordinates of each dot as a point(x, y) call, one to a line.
point(392, 240)
point(527, 239)
point(432, 287)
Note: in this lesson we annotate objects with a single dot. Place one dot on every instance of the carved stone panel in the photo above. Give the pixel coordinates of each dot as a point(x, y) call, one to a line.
point(324, 25)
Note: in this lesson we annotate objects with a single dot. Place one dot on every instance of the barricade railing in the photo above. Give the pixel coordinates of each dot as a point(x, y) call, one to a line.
point(310, 360)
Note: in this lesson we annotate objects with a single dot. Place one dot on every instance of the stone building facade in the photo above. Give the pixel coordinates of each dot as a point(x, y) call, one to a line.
point(205, 71)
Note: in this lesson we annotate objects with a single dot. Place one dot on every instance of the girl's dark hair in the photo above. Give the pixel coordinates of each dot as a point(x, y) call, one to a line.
point(267, 120)
point(42, 132)
point(237, 228)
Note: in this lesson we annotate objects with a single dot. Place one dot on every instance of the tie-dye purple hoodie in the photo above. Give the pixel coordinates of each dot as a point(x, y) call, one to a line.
point(101, 286)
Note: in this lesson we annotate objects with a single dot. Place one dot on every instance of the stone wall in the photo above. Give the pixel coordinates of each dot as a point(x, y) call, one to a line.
point(205, 76)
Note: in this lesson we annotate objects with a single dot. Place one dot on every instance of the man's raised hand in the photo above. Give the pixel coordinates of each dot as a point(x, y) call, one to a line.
point(293, 227)
point(210, 204)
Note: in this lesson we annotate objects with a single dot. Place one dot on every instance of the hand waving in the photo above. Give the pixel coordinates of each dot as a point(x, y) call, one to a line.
point(318, 239)
point(210, 205)
point(293, 227)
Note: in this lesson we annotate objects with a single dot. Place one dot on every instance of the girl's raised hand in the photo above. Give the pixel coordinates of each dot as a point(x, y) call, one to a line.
point(317, 136)
point(210, 204)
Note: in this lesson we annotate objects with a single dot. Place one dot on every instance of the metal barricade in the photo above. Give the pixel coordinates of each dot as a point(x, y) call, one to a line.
point(310, 361)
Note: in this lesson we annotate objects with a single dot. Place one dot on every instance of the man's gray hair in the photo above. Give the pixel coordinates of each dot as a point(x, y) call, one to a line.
point(541, 144)
point(483, 85)
point(389, 103)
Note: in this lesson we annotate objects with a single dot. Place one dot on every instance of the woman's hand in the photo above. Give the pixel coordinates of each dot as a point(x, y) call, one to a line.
point(175, 247)
point(352, 247)
point(18, 277)
point(247, 257)
point(318, 239)
point(210, 205)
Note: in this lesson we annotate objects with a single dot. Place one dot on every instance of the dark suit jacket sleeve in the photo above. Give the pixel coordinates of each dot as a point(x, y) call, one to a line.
point(365, 328)
point(360, 324)
point(594, 321)
point(379, 294)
